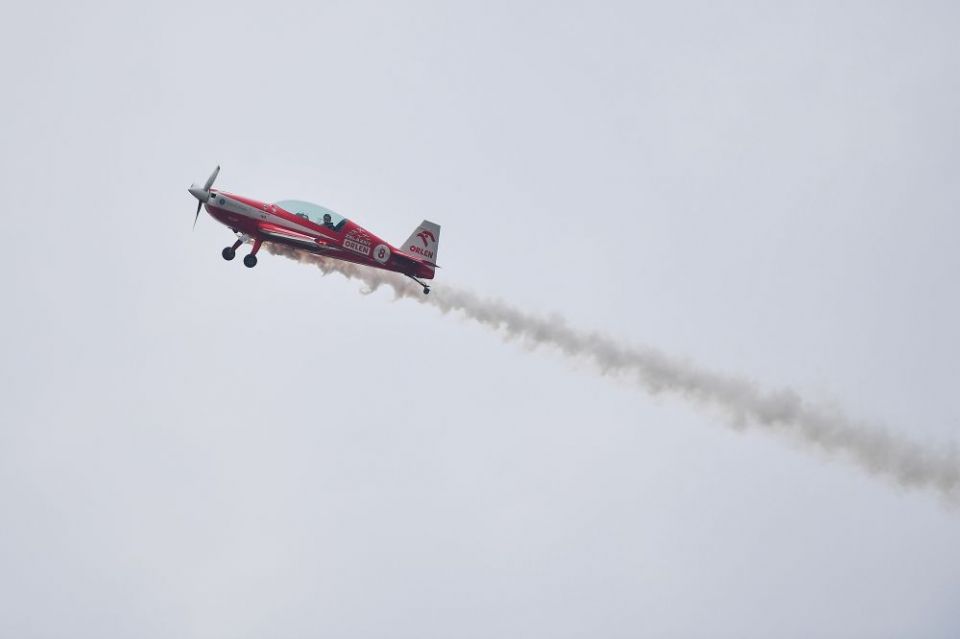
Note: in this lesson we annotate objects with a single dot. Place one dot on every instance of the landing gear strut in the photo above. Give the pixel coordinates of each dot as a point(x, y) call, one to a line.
point(251, 260)
point(426, 289)
point(231, 251)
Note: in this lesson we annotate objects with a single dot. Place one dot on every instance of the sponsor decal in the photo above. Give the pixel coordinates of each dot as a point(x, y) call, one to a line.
point(413, 248)
point(423, 235)
point(381, 253)
point(356, 247)
point(358, 241)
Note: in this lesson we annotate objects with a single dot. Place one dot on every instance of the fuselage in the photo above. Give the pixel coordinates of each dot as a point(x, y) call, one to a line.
point(314, 230)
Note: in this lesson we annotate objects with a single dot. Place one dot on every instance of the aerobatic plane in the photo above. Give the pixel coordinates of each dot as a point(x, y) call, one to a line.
point(317, 229)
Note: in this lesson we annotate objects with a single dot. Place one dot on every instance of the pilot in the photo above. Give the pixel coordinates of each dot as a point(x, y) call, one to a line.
point(327, 220)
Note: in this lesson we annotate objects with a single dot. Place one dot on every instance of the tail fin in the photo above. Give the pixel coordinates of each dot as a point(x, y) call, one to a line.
point(425, 242)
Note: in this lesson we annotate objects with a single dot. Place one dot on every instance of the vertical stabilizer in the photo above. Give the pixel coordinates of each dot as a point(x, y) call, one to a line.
point(424, 243)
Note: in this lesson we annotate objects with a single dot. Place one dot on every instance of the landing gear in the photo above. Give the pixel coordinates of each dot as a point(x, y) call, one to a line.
point(251, 260)
point(231, 251)
point(426, 289)
point(248, 260)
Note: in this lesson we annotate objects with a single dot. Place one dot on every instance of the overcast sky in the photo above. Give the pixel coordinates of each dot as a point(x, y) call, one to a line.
point(191, 448)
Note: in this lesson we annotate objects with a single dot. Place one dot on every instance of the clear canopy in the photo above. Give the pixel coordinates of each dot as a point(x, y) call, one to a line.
point(314, 212)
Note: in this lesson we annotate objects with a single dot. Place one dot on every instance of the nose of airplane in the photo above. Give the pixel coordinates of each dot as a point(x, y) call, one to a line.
point(199, 192)
point(202, 194)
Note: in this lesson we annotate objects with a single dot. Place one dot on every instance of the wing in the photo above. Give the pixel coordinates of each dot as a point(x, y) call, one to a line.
point(289, 236)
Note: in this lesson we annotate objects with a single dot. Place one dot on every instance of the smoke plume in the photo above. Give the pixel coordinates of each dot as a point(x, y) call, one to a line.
point(741, 402)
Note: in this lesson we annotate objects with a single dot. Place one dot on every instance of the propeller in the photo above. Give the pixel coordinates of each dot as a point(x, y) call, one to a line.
point(202, 193)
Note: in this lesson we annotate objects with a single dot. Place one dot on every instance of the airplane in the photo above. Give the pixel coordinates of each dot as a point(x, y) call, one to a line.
point(317, 229)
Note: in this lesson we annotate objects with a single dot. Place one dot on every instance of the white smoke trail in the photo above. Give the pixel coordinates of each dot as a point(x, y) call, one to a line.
point(741, 402)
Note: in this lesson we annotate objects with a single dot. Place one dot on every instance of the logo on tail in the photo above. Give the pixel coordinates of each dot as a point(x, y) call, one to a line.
point(424, 241)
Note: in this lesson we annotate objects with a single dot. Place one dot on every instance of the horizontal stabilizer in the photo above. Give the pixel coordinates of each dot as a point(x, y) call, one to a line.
point(415, 258)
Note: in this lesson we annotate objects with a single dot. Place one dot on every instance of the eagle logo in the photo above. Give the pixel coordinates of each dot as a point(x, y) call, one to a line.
point(423, 235)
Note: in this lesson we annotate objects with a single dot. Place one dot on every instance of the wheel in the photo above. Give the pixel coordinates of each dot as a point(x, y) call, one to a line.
point(228, 253)
point(426, 290)
point(250, 261)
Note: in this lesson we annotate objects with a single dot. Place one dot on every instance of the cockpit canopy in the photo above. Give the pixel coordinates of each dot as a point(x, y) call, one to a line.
point(315, 213)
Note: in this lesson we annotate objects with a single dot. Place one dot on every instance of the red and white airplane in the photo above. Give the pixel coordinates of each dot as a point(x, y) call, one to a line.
point(317, 229)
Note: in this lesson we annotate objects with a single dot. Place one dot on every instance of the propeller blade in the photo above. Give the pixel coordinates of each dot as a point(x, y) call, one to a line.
point(213, 176)
point(203, 194)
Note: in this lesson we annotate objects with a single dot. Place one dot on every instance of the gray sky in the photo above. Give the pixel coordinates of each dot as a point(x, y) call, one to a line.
point(191, 448)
